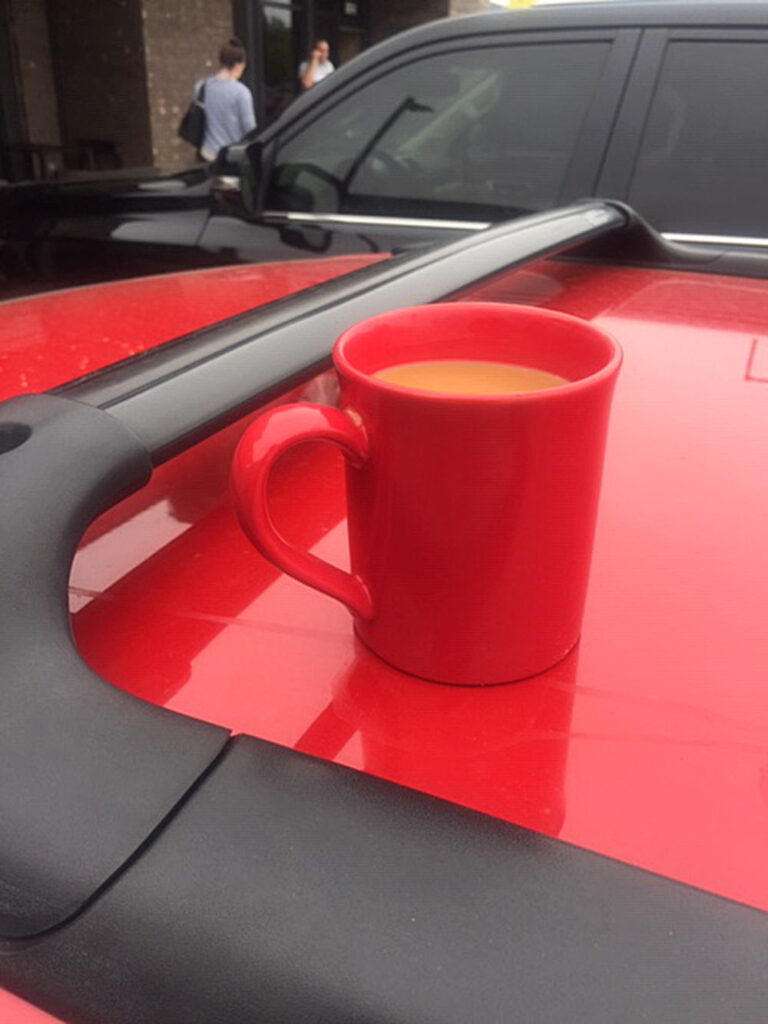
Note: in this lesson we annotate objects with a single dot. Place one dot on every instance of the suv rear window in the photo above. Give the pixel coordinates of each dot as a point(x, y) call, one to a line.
point(704, 151)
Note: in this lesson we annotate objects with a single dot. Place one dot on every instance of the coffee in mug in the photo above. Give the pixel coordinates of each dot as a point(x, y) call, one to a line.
point(469, 377)
point(471, 516)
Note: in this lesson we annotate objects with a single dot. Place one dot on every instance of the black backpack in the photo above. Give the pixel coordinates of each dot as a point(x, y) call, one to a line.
point(192, 127)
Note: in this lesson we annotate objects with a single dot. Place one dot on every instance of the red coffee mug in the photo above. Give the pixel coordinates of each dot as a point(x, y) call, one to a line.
point(471, 517)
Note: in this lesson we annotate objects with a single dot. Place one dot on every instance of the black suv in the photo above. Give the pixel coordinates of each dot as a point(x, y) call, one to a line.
point(444, 129)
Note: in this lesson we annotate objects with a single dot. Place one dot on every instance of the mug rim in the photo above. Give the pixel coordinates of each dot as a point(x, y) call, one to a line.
point(560, 392)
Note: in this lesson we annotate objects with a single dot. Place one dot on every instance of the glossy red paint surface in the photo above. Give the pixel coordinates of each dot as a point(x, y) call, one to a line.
point(54, 338)
point(463, 510)
point(15, 1011)
point(649, 743)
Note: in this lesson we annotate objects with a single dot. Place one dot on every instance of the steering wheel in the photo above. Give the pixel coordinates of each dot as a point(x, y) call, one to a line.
point(394, 167)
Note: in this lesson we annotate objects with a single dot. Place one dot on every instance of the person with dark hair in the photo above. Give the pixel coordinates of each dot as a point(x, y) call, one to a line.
point(229, 113)
point(317, 67)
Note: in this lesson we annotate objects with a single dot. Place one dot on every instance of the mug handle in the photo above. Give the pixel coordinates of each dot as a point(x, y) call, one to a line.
point(261, 444)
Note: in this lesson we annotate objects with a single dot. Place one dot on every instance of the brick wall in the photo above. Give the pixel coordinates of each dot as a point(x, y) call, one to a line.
point(393, 16)
point(99, 50)
point(182, 39)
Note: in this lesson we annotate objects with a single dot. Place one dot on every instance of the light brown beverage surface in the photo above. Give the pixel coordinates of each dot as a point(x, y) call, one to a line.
point(469, 377)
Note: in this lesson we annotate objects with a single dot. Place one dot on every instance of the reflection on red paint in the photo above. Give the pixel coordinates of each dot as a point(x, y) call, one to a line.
point(498, 749)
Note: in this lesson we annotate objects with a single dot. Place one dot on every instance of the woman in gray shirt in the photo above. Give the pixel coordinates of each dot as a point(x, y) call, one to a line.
point(229, 113)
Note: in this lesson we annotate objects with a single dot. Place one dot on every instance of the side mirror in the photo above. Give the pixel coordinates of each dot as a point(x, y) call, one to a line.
point(243, 161)
point(236, 176)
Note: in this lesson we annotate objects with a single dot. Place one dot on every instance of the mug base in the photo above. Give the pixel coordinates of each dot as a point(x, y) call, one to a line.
point(507, 680)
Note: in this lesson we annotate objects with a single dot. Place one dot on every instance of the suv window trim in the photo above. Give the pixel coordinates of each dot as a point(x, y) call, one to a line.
point(376, 219)
point(720, 240)
point(594, 138)
point(372, 220)
point(624, 145)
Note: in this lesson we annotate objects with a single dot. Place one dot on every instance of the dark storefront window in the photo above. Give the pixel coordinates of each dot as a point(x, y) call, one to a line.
point(289, 29)
point(284, 31)
point(342, 23)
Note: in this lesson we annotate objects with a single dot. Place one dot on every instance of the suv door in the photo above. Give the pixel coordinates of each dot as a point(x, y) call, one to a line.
point(691, 144)
point(447, 138)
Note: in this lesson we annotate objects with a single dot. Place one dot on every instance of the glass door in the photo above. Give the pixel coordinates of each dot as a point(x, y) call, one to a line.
point(285, 40)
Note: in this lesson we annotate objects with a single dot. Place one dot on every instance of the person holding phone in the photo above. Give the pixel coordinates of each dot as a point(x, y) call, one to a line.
point(318, 67)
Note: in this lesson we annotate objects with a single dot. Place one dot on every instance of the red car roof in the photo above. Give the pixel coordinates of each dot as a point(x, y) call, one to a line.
point(649, 743)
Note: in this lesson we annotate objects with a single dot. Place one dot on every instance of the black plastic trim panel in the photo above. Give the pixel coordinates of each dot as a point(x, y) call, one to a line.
point(87, 772)
point(289, 890)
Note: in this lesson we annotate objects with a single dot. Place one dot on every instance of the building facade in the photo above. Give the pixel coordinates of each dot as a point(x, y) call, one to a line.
point(87, 87)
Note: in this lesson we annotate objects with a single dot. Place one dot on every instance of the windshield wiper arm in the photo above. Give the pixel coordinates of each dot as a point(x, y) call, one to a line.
point(409, 104)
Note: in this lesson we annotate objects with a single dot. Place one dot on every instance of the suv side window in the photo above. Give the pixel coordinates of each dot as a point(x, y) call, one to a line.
point(482, 133)
point(704, 150)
